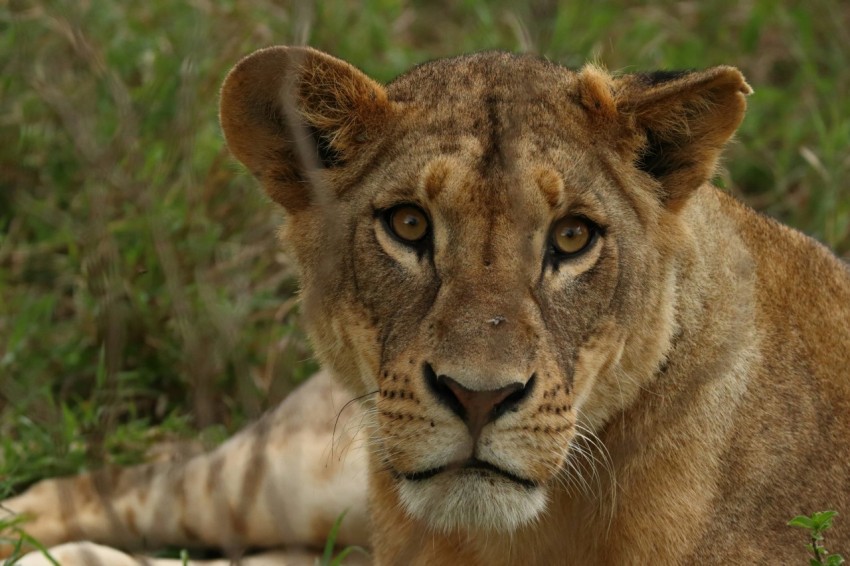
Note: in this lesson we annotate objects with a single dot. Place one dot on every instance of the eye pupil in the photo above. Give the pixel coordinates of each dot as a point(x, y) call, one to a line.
point(408, 223)
point(571, 232)
point(571, 235)
point(411, 221)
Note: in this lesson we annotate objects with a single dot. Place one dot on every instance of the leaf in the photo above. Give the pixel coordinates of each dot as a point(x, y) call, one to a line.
point(801, 521)
point(32, 541)
point(823, 519)
point(328, 553)
point(337, 561)
point(835, 560)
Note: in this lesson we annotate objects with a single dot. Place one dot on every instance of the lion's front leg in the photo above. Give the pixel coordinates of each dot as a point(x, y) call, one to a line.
point(280, 482)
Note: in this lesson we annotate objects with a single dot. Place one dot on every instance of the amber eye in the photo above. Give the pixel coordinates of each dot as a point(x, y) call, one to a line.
point(408, 223)
point(571, 235)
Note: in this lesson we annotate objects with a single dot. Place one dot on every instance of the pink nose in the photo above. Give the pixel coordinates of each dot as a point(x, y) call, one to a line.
point(476, 408)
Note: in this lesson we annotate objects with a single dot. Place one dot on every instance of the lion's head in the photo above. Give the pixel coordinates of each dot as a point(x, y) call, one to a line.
point(485, 247)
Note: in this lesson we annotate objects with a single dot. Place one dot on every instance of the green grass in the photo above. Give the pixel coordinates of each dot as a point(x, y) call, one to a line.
point(142, 294)
point(14, 533)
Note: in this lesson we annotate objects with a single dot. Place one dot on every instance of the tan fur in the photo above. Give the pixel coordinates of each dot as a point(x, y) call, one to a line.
point(247, 493)
point(687, 383)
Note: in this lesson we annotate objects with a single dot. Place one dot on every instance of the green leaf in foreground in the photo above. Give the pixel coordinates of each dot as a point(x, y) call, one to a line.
point(19, 539)
point(328, 559)
point(816, 524)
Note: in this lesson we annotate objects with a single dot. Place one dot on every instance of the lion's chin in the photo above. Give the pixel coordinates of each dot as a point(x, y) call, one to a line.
point(472, 499)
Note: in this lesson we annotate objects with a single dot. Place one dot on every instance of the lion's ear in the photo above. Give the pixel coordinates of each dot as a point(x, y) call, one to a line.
point(288, 111)
point(684, 120)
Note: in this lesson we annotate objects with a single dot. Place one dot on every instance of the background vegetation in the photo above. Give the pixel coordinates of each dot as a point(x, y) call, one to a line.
point(142, 294)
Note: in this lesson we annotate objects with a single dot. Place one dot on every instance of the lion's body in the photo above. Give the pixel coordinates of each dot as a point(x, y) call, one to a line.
point(671, 391)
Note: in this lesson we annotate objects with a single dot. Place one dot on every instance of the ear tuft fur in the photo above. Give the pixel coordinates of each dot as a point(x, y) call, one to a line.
point(596, 92)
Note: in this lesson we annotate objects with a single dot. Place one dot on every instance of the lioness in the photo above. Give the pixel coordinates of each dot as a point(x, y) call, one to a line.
point(568, 346)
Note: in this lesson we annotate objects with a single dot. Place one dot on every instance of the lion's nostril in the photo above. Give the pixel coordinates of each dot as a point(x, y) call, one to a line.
point(512, 401)
point(476, 408)
point(443, 392)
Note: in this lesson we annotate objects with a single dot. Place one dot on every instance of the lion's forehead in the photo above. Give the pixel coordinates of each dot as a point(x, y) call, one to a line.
point(513, 160)
point(513, 106)
point(496, 76)
point(507, 125)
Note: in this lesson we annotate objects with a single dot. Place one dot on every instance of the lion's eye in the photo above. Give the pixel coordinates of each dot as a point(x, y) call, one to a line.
point(571, 235)
point(408, 222)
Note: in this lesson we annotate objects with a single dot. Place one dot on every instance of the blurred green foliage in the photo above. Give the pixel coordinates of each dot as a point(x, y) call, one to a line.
point(142, 292)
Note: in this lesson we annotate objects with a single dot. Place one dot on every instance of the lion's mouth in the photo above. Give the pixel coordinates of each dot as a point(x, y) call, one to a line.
point(473, 465)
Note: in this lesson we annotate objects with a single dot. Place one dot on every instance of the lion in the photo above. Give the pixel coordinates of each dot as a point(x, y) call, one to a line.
point(567, 346)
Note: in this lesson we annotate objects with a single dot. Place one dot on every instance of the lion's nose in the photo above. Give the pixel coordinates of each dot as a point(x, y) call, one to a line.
point(476, 408)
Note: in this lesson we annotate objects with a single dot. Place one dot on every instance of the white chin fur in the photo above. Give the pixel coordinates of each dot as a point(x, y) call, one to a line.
point(464, 501)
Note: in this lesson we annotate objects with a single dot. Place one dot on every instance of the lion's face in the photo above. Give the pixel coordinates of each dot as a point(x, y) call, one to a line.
point(484, 258)
point(487, 287)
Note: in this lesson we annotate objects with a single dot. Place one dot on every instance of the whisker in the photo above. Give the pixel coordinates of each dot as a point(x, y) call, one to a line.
point(339, 413)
